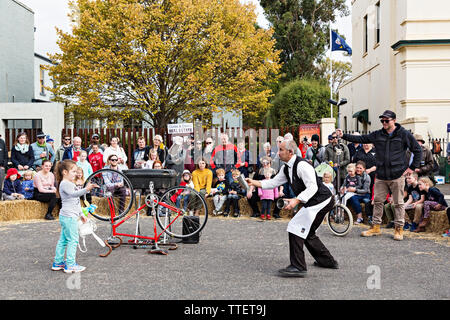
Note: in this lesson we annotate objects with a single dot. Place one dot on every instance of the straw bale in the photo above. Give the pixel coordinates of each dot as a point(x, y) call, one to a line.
point(24, 210)
point(438, 222)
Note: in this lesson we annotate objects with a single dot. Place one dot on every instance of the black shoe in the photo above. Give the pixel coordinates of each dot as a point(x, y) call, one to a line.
point(255, 215)
point(276, 216)
point(390, 225)
point(236, 214)
point(335, 265)
point(225, 214)
point(49, 216)
point(292, 271)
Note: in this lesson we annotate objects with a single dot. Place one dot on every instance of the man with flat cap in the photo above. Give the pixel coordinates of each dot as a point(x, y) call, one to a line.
point(391, 143)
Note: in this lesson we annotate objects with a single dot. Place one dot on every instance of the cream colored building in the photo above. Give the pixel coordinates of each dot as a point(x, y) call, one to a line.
point(401, 62)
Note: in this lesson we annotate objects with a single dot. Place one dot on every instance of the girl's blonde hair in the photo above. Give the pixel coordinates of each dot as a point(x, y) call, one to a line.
point(82, 172)
point(426, 180)
point(327, 174)
point(351, 166)
point(83, 151)
point(28, 172)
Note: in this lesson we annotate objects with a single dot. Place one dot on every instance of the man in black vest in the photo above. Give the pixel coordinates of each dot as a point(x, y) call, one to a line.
point(317, 201)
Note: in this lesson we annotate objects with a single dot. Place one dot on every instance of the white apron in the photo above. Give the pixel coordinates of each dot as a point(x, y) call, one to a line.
point(301, 223)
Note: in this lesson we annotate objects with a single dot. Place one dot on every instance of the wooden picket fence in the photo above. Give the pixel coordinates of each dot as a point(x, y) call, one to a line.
point(128, 137)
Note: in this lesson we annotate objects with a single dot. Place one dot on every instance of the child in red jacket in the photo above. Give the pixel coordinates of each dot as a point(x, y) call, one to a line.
point(96, 158)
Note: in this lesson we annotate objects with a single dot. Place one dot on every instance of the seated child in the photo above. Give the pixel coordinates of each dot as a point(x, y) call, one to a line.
point(267, 196)
point(220, 192)
point(414, 202)
point(79, 183)
point(348, 188)
point(182, 194)
point(362, 193)
point(84, 164)
point(234, 194)
point(12, 188)
point(434, 200)
point(27, 184)
point(327, 179)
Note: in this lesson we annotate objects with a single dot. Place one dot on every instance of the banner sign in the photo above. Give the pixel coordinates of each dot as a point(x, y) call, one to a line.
point(307, 130)
point(180, 128)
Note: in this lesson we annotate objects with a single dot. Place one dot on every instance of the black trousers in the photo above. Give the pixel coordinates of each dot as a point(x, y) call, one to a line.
point(253, 202)
point(312, 242)
point(49, 198)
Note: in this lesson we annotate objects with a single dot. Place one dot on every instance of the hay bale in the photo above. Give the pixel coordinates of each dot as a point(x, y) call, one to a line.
point(246, 210)
point(24, 210)
point(438, 222)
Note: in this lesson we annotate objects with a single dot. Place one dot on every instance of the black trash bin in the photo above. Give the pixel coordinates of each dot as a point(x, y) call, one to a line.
point(162, 179)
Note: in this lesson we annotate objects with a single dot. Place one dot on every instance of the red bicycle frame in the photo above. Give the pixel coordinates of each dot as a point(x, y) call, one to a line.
point(136, 236)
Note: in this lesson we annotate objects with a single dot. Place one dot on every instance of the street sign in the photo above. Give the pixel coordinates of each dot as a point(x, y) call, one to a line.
point(180, 128)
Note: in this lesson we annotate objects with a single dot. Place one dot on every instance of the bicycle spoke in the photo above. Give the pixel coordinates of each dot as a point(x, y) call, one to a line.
point(182, 212)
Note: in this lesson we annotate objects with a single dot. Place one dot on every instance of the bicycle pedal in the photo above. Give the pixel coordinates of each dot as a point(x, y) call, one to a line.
point(159, 251)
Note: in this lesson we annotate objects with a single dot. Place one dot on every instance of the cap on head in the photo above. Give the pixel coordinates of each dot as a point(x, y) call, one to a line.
point(418, 137)
point(388, 114)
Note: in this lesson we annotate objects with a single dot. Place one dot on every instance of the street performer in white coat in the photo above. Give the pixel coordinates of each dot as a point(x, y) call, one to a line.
point(317, 201)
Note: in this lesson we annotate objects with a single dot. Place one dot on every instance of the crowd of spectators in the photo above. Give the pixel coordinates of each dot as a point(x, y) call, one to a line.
point(213, 171)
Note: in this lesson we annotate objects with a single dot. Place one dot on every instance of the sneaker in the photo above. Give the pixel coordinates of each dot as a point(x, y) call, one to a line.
point(268, 217)
point(359, 221)
point(225, 214)
point(215, 212)
point(276, 216)
point(263, 216)
point(74, 268)
point(236, 214)
point(390, 225)
point(413, 227)
point(58, 266)
point(406, 226)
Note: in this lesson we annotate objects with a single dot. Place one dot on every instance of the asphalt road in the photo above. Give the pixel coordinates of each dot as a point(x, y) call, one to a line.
point(236, 259)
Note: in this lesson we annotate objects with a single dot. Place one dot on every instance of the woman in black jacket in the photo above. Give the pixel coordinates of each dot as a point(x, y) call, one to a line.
point(22, 156)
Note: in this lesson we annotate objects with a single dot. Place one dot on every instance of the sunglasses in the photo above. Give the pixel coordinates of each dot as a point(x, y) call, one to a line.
point(67, 139)
point(385, 120)
point(208, 142)
point(332, 138)
point(113, 159)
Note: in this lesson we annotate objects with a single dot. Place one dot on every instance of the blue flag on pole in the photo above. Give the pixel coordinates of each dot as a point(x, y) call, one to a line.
point(338, 43)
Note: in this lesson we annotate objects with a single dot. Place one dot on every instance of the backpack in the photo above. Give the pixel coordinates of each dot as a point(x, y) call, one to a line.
point(437, 149)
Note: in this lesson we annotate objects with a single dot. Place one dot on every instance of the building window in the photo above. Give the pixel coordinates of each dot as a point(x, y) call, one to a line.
point(378, 22)
point(41, 80)
point(23, 124)
point(366, 34)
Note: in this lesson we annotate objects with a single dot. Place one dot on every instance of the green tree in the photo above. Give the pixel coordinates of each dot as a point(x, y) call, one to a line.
point(301, 29)
point(342, 71)
point(161, 60)
point(299, 102)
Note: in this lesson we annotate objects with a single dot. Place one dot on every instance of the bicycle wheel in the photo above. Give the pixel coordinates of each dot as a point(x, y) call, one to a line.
point(340, 220)
point(114, 194)
point(182, 212)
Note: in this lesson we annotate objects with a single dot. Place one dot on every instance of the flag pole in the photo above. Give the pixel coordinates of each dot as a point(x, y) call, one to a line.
point(331, 71)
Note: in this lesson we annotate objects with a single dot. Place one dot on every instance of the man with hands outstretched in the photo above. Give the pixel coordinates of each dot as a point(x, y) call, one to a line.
point(391, 143)
point(317, 201)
